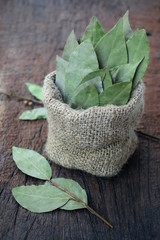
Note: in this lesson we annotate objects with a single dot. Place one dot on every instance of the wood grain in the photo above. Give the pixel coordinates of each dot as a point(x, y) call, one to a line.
point(32, 33)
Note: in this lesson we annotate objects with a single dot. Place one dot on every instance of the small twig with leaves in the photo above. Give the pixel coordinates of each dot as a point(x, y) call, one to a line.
point(26, 101)
point(80, 201)
point(36, 113)
point(56, 193)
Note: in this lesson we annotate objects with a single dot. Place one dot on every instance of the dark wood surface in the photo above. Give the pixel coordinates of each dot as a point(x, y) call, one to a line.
point(32, 33)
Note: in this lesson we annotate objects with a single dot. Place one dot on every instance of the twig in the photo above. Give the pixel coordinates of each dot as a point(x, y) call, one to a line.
point(20, 98)
point(148, 135)
point(79, 200)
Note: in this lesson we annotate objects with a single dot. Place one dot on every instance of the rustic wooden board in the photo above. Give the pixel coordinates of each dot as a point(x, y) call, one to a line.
point(31, 34)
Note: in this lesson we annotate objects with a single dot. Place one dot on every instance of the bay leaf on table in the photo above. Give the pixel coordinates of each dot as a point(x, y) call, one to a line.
point(39, 199)
point(70, 46)
point(34, 114)
point(93, 31)
point(79, 66)
point(35, 90)
point(85, 98)
point(111, 49)
point(32, 163)
point(61, 66)
point(138, 48)
point(126, 26)
point(124, 72)
point(73, 187)
point(118, 94)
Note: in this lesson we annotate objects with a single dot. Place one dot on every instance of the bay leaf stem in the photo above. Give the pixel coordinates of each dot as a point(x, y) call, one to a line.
point(83, 203)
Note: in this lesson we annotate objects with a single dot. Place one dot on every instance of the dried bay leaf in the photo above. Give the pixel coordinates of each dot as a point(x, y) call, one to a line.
point(46, 198)
point(117, 94)
point(125, 72)
point(85, 98)
point(61, 66)
point(97, 82)
point(34, 114)
point(40, 198)
point(31, 163)
point(126, 26)
point(94, 32)
point(79, 66)
point(103, 73)
point(73, 187)
point(107, 80)
point(70, 46)
point(111, 49)
point(100, 79)
point(35, 90)
point(138, 47)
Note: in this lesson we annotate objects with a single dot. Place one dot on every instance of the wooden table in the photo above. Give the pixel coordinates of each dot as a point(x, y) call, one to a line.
point(32, 33)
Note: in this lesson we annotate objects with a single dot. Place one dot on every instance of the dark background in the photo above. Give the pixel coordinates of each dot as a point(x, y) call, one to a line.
point(32, 33)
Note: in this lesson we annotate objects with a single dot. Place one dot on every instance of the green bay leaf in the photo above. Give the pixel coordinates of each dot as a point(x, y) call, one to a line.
point(101, 79)
point(126, 26)
point(107, 80)
point(34, 114)
point(31, 163)
point(61, 66)
point(138, 47)
point(35, 90)
point(86, 97)
point(70, 46)
point(73, 187)
point(97, 82)
point(103, 73)
point(111, 49)
point(125, 72)
point(40, 198)
point(94, 32)
point(117, 94)
point(82, 61)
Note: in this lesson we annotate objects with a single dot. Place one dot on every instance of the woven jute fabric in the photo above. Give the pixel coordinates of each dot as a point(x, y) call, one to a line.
point(98, 140)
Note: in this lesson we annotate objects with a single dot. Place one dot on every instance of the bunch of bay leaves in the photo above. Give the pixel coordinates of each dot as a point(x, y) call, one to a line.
point(101, 69)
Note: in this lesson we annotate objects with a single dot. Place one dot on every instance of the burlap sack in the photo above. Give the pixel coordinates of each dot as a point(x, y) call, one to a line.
point(98, 140)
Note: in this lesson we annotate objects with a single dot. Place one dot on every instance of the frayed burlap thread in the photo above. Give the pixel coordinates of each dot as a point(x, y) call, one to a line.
point(98, 140)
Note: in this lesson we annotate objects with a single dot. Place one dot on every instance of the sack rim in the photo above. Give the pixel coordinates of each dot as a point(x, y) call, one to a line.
point(50, 101)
